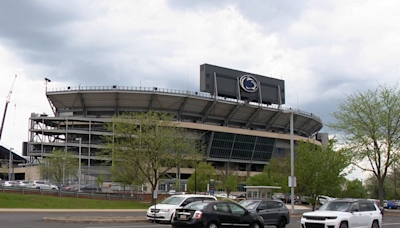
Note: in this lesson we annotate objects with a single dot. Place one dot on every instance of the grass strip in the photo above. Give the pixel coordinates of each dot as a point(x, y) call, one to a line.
point(9, 200)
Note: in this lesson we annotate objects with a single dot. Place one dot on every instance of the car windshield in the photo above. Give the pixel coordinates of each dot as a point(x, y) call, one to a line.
point(335, 206)
point(173, 200)
point(196, 205)
point(249, 204)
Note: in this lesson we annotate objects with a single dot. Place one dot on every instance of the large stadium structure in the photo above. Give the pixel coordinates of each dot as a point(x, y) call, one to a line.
point(239, 130)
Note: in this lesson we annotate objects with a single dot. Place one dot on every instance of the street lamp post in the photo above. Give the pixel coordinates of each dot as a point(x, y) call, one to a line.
point(79, 169)
point(63, 174)
point(292, 161)
point(292, 177)
point(10, 164)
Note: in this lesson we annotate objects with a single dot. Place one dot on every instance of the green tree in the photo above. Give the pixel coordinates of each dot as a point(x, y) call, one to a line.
point(204, 172)
point(99, 181)
point(58, 164)
point(150, 142)
point(126, 173)
point(318, 169)
point(370, 124)
point(355, 189)
point(230, 184)
point(261, 179)
point(279, 170)
point(225, 180)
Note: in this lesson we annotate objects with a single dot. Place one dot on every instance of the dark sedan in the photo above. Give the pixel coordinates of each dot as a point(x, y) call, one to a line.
point(211, 214)
point(274, 212)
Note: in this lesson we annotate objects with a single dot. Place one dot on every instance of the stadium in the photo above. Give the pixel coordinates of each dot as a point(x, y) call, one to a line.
point(240, 114)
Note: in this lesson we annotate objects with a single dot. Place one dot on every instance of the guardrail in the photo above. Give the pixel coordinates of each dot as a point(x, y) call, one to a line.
point(71, 194)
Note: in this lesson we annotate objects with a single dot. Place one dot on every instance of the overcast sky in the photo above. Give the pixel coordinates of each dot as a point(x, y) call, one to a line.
point(322, 49)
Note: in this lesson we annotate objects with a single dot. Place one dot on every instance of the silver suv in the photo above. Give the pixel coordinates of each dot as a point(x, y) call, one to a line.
point(39, 184)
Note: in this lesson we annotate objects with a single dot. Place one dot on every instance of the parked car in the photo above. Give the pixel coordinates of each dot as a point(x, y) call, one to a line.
point(211, 214)
point(390, 205)
point(165, 211)
point(305, 200)
point(73, 187)
point(241, 197)
point(323, 199)
point(274, 212)
point(90, 188)
point(21, 183)
point(39, 184)
point(345, 213)
point(281, 196)
point(7, 183)
point(296, 201)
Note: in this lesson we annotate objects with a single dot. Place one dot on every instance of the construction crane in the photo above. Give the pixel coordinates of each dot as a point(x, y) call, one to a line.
point(5, 109)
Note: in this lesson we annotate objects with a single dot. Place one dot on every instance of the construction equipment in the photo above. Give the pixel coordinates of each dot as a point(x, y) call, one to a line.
point(5, 109)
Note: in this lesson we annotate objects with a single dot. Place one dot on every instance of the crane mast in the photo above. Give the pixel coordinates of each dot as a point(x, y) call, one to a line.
point(5, 109)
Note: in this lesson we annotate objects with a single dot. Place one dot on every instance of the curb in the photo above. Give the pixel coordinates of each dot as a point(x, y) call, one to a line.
point(95, 219)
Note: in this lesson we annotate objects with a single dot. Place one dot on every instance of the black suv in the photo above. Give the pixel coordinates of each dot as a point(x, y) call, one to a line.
point(274, 212)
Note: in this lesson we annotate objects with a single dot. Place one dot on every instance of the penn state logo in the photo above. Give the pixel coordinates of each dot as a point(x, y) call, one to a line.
point(248, 83)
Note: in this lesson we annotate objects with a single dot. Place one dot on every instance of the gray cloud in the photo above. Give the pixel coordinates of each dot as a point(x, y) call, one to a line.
point(79, 43)
point(270, 16)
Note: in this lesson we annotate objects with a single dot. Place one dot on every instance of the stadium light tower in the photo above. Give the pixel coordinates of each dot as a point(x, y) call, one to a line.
point(292, 177)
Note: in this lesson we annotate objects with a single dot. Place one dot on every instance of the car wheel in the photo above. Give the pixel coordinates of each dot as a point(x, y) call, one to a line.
point(375, 224)
point(256, 225)
point(343, 225)
point(281, 222)
point(212, 225)
point(390, 207)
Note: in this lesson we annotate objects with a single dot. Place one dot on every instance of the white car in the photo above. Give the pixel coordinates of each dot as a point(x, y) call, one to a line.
point(323, 199)
point(344, 214)
point(39, 184)
point(8, 183)
point(165, 211)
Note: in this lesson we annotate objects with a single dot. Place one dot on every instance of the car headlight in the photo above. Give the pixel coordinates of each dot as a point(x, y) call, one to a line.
point(165, 210)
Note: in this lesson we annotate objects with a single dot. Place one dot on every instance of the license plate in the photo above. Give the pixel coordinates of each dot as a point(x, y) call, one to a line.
point(183, 216)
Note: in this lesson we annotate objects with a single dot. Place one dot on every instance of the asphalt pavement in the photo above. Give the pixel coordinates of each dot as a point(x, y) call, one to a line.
point(30, 220)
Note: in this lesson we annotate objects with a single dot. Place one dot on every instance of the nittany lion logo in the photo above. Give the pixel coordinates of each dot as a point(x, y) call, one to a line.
point(248, 83)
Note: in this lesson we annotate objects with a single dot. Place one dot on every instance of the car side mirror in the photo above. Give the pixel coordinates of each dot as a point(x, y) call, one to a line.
point(246, 212)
